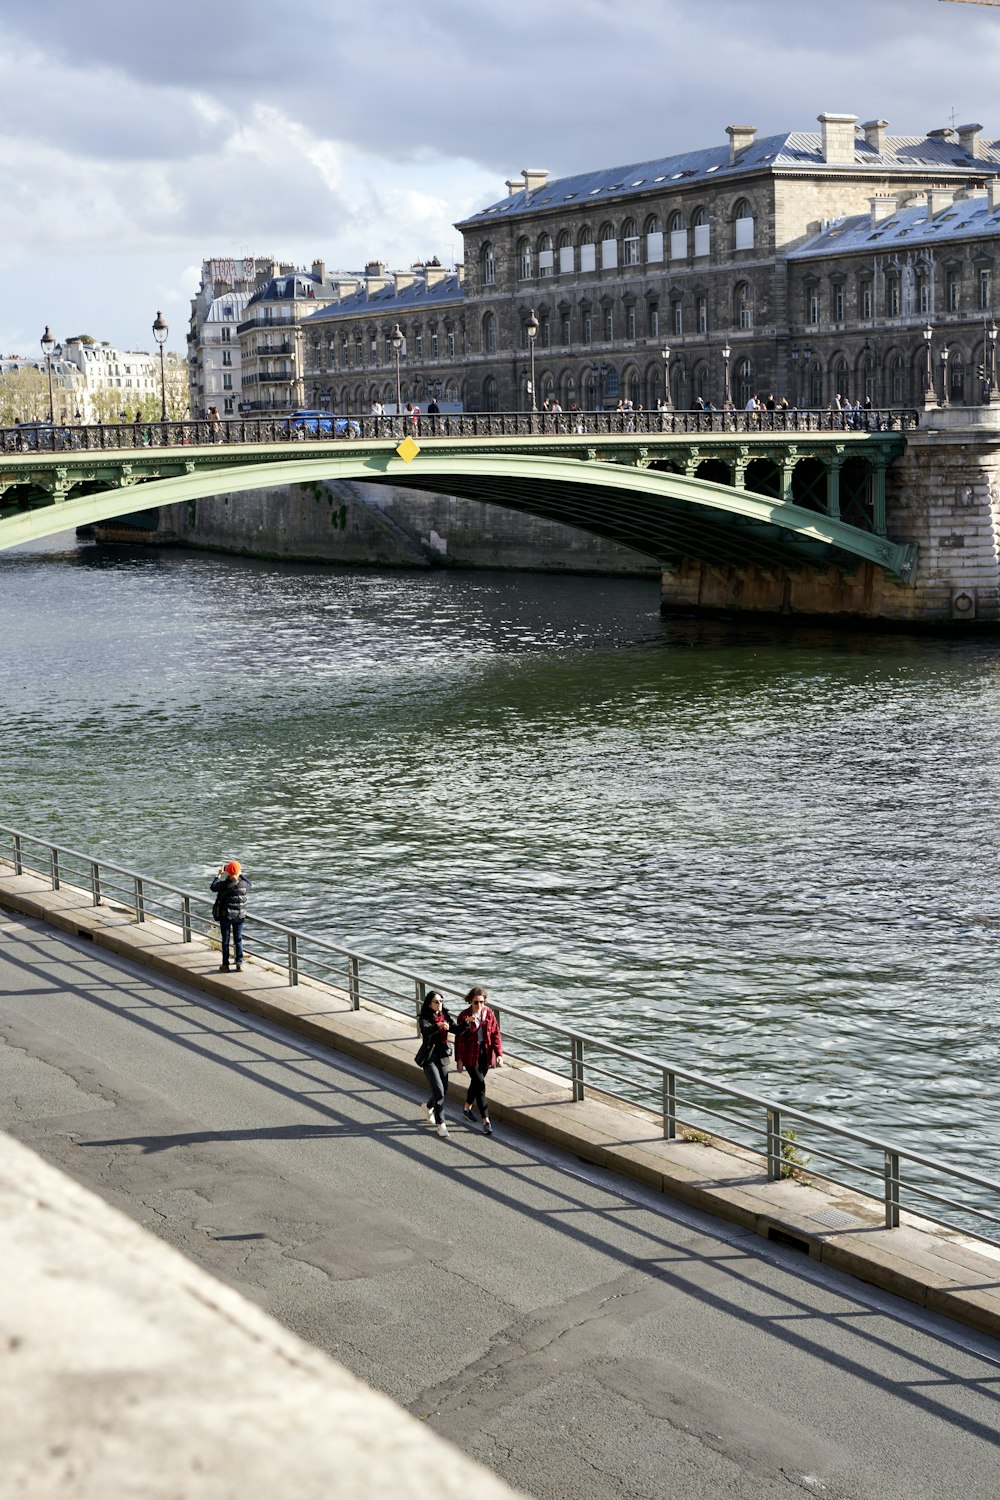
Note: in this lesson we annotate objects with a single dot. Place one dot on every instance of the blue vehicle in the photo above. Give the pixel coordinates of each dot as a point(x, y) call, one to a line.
point(322, 424)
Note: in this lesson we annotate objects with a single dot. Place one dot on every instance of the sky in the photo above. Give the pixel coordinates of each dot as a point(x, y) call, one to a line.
point(136, 141)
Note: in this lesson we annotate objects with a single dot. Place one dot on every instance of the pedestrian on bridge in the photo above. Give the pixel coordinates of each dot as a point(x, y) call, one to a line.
point(435, 1051)
point(231, 887)
point(478, 1047)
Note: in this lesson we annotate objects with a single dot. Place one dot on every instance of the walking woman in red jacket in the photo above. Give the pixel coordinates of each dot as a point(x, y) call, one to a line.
point(478, 1048)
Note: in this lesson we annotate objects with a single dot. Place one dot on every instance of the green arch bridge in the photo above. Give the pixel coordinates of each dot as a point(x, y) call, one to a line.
point(773, 490)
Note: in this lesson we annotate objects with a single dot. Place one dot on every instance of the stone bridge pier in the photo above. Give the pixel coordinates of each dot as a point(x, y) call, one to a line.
point(942, 494)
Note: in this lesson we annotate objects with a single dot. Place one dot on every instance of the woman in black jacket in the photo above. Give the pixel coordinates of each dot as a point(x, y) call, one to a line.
point(435, 1050)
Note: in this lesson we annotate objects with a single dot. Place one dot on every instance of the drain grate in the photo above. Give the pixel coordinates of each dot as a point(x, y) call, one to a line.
point(834, 1218)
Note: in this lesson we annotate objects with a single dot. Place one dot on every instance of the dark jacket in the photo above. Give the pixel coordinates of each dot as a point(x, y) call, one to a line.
point(232, 896)
point(473, 1053)
point(434, 1044)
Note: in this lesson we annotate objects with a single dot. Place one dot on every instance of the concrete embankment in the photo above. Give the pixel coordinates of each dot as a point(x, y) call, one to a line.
point(926, 1263)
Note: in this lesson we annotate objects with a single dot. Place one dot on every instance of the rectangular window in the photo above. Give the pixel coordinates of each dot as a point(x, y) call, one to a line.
point(227, 382)
point(678, 318)
point(630, 322)
point(343, 353)
point(867, 301)
point(678, 244)
point(838, 304)
point(227, 334)
point(566, 266)
point(588, 328)
point(609, 325)
point(744, 234)
point(654, 245)
point(373, 352)
point(924, 296)
point(449, 344)
point(985, 287)
point(609, 254)
point(812, 307)
point(434, 346)
point(543, 333)
point(588, 257)
point(545, 262)
point(702, 310)
point(892, 299)
point(227, 406)
point(954, 292)
point(565, 331)
point(702, 239)
point(358, 352)
point(418, 346)
point(227, 357)
point(654, 322)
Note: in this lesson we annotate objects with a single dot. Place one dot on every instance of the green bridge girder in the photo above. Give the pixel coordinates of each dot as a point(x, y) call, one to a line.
point(639, 490)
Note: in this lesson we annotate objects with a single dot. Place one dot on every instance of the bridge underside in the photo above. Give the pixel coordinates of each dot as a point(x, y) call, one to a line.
point(636, 498)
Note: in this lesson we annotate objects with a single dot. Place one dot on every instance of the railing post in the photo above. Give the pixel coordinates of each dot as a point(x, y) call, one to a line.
point(419, 995)
point(892, 1189)
point(354, 982)
point(293, 959)
point(140, 900)
point(576, 1046)
point(54, 867)
point(774, 1144)
point(95, 882)
point(186, 918)
point(18, 864)
point(669, 1106)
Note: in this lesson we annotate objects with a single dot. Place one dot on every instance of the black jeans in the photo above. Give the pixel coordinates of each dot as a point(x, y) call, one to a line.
point(236, 928)
point(477, 1088)
point(436, 1074)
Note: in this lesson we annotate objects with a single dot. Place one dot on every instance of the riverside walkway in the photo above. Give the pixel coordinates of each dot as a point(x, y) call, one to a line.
point(573, 1330)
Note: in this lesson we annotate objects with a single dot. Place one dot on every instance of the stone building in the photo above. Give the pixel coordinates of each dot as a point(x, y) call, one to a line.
point(270, 334)
point(214, 367)
point(687, 254)
point(349, 349)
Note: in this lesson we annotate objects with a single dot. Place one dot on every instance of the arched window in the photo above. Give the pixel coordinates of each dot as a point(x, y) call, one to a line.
point(868, 380)
point(678, 236)
point(699, 382)
point(654, 238)
point(612, 384)
point(744, 382)
point(524, 260)
point(489, 334)
point(814, 384)
point(842, 379)
point(564, 247)
point(743, 225)
point(488, 265)
point(702, 232)
point(546, 260)
point(490, 397)
point(635, 388)
point(896, 377)
point(609, 247)
point(743, 304)
point(588, 253)
point(956, 378)
point(630, 243)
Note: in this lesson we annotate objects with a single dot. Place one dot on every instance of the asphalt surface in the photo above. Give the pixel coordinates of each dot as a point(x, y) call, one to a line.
point(576, 1334)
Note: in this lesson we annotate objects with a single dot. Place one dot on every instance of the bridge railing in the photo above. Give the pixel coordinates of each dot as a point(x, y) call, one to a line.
point(791, 1142)
point(44, 437)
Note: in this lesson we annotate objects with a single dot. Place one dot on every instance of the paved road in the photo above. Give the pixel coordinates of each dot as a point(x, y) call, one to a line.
point(581, 1337)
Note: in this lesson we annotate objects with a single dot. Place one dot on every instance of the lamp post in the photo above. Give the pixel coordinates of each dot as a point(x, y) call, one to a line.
point(796, 355)
point(47, 345)
point(531, 329)
point(930, 399)
point(944, 376)
point(667, 398)
point(987, 370)
point(991, 371)
point(160, 331)
point(726, 355)
point(397, 349)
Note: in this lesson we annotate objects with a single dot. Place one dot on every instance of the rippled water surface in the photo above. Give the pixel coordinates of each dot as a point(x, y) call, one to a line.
point(771, 855)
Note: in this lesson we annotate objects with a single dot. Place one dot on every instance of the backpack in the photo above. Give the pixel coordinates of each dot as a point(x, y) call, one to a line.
point(217, 909)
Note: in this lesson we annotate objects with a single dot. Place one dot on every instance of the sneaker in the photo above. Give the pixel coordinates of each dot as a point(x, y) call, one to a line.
point(442, 1129)
point(487, 1128)
point(223, 968)
point(429, 1112)
point(469, 1116)
point(239, 968)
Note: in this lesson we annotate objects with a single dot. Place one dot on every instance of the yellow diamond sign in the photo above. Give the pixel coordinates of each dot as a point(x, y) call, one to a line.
point(408, 450)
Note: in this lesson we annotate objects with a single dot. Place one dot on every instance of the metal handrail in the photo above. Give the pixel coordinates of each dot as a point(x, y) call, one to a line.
point(782, 1148)
point(46, 437)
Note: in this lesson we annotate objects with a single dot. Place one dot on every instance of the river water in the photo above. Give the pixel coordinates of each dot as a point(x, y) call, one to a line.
point(767, 854)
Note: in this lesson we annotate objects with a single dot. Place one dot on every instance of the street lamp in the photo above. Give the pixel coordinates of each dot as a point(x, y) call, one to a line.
point(531, 329)
point(47, 345)
point(160, 331)
point(667, 402)
point(944, 376)
point(930, 399)
point(992, 365)
point(987, 372)
point(397, 349)
point(796, 354)
point(726, 354)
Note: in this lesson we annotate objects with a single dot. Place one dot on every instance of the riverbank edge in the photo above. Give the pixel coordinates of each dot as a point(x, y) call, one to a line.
point(924, 1263)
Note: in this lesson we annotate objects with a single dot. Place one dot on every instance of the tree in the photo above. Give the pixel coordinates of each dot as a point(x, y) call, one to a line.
point(24, 396)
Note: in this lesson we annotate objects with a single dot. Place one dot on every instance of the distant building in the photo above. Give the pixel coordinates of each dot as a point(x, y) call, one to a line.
point(270, 335)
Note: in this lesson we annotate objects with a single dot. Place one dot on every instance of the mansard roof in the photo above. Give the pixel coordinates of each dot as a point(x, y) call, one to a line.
point(796, 152)
point(966, 219)
point(412, 298)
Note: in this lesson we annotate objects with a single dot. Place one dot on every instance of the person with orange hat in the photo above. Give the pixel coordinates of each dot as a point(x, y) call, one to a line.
point(230, 909)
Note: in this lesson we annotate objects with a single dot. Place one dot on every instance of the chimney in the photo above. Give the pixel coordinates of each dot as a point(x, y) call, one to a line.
point(740, 137)
point(968, 139)
point(319, 270)
point(876, 134)
point(513, 186)
point(533, 179)
point(434, 274)
point(993, 194)
point(944, 134)
point(938, 199)
point(882, 208)
point(838, 139)
point(403, 279)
